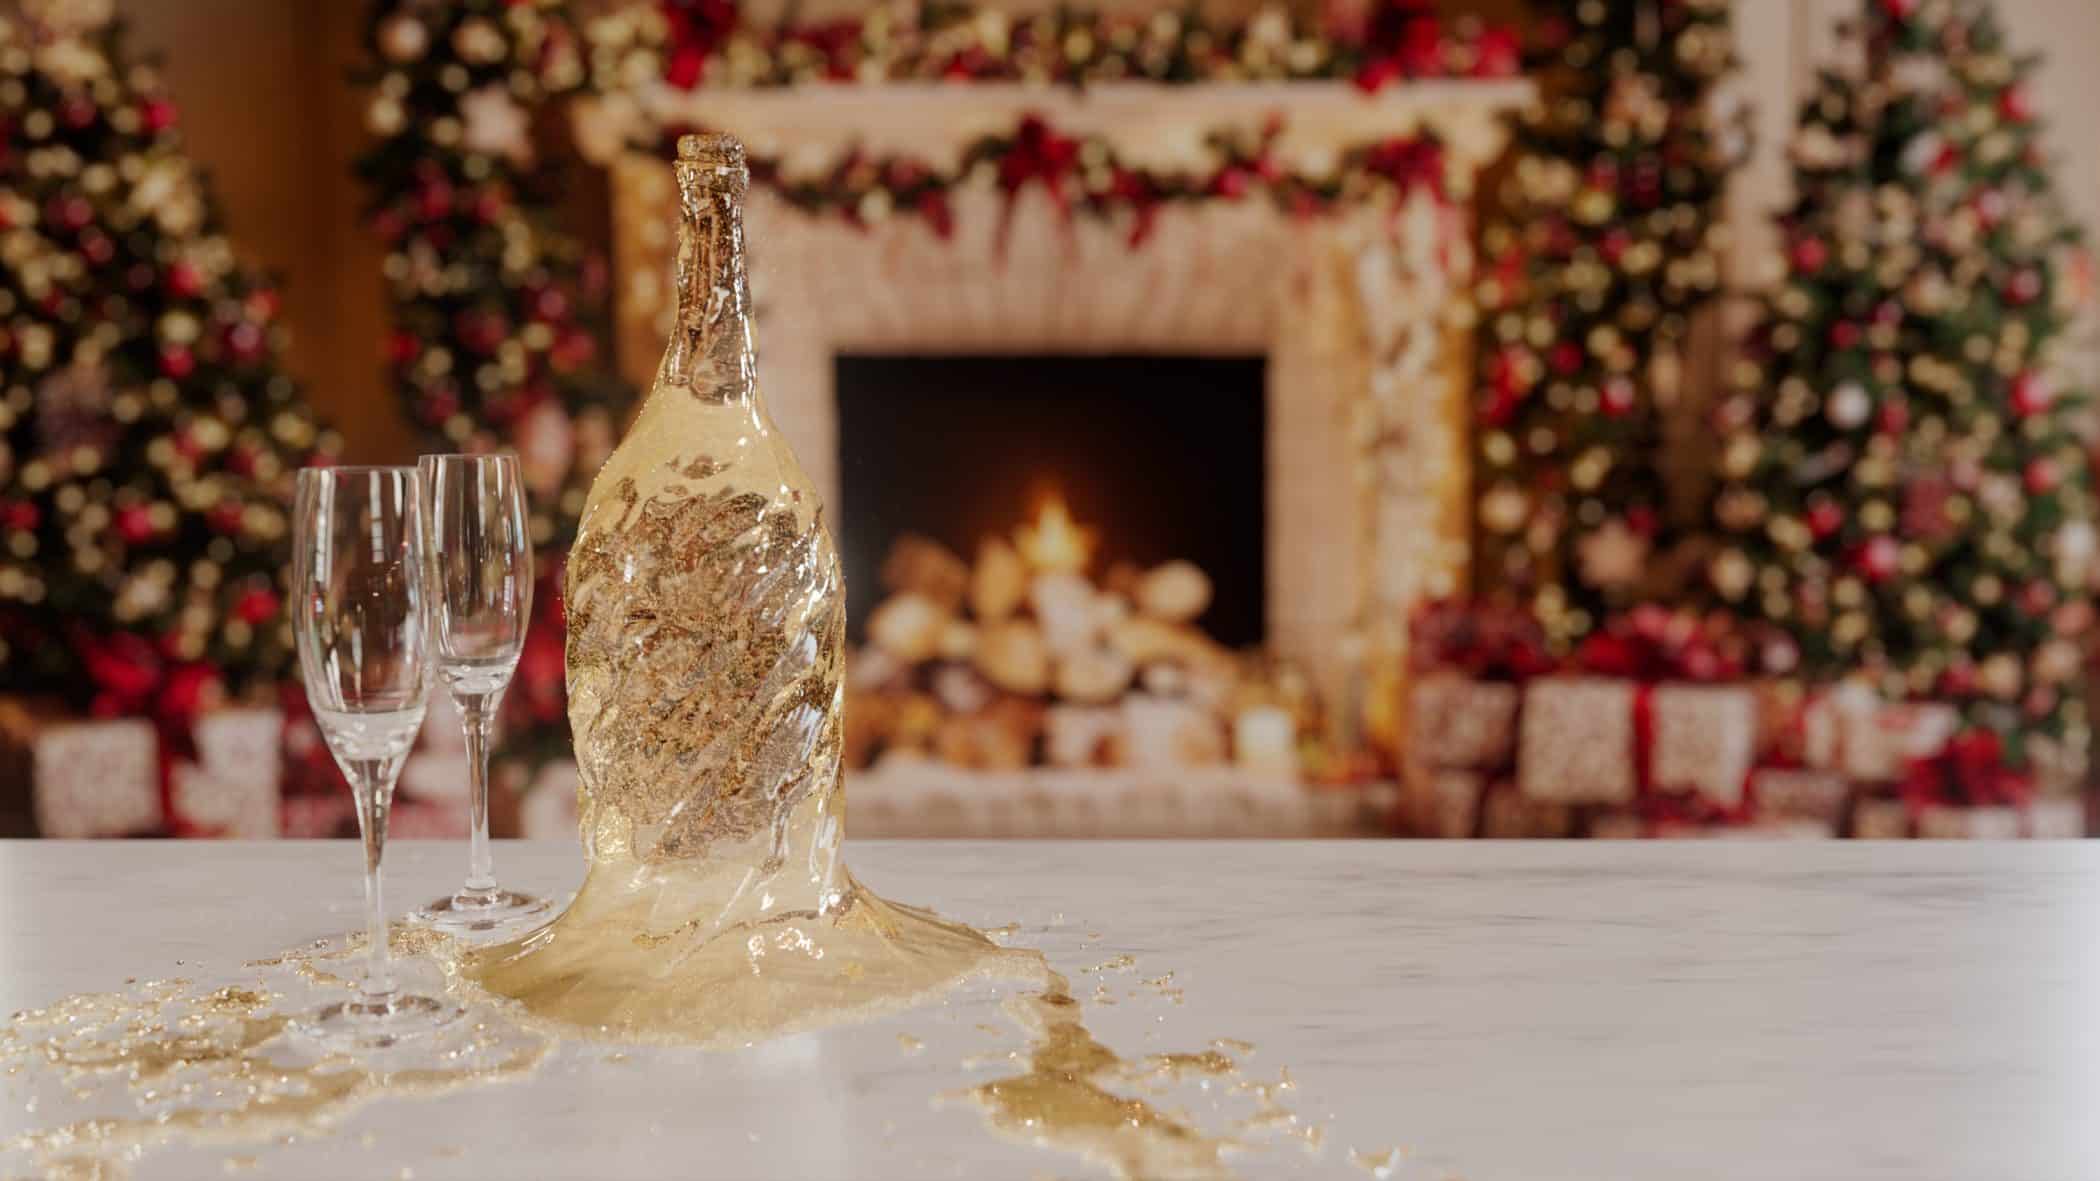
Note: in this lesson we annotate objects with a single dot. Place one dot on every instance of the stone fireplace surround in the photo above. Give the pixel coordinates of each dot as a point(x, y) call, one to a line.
point(1363, 317)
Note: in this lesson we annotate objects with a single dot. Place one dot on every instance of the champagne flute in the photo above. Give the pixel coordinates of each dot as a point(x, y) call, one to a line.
point(478, 559)
point(361, 619)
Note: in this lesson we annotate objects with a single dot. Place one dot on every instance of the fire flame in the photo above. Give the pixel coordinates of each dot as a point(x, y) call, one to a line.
point(1055, 542)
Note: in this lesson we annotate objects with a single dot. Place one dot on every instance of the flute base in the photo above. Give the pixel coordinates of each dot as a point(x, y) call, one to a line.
point(481, 912)
point(375, 1023)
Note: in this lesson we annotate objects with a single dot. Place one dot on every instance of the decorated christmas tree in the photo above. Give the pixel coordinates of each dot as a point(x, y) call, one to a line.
point(497, 312)
point(1903, 492)
point(1601, 248)
point(148, 433)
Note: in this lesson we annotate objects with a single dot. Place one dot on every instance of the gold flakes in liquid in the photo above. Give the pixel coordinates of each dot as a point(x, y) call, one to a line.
point(705, 653)
point(218, 1066)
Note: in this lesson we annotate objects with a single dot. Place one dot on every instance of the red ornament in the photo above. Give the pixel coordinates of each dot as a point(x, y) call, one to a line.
point(77, 112)
point(228, 516)
point(20, 515)
point(1898, 10)
point(256, 606)
point(1844, 335)
point(1642, 520)
point(2040, 475)
point(244, 342)
point(97, 248)
point(177, 362)
point(135, 524)
point(184, 281)
point(1565, 357)
point(1497, 407)
point(572, 351)
point(1825, 518)
point(1497, 54)
point(1230, 184)
point(2014, 105)
point(1616, 398)
point(2037, 597)
point(2024, 287)
point(1894, 414)
point(2030, 394)
point(1879, 558)
point(156, 115)
point(402, 347)
point(1809, 255)
point(1959, 680)
point(434, 199)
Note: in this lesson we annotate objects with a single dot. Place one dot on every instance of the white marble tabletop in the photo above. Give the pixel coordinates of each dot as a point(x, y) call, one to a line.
point(1577, 1010)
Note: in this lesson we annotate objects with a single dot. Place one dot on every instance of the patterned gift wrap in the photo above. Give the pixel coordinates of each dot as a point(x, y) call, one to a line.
point(1445, 802)
point(89, 779)
point(1459, 723)
point(1943, 822)
point(1705, 740)
point(236, 786)
point(212, 803)
point(1881, 820)
point(1801, 794)
point(1507, 814)
point(2056, 818)
point(1576, 742)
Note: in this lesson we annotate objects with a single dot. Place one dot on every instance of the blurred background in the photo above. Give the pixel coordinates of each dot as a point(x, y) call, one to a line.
point(1619, 418)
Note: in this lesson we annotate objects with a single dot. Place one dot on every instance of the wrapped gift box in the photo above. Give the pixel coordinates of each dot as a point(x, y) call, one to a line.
point(549, 807)
point(1781, 828)
point(415, 820)
point(1942, 822)
point(1445, 802)
point(1459, 723)
point(85, 778)
point(1880, 820)
point(311, 817)
point(236, 786)
point(2056, 818)
point(1705, 740)
point(1507, 814)
point(1801, 794)
point(210, 803)
point(242, 742)
point(1576, 741)
point(1617, 825)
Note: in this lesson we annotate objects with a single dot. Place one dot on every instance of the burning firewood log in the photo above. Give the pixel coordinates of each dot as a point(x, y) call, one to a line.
point(998, 583)
point(922, 566)
point(1012, 656)
point(1176, 592)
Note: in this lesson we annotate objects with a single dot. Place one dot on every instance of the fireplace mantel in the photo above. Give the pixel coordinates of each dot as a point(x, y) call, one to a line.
point(1147, 122)
point(1365, 316)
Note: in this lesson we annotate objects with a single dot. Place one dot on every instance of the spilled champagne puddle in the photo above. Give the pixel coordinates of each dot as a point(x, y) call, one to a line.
point(207, 1066)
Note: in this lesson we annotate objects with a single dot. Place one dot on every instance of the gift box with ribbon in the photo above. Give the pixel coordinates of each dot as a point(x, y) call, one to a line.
point(235, 788)
point(1576, 742)
point(83, 778)
point(1455, 722)
point(1703, 738)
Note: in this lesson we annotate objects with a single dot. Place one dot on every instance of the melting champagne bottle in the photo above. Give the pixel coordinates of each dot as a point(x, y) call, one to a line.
point(706, 625)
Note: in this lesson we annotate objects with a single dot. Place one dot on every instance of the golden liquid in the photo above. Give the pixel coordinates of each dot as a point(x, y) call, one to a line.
point(706, 635)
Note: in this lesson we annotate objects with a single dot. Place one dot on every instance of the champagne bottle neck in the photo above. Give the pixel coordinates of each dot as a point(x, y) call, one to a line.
point(711, 354)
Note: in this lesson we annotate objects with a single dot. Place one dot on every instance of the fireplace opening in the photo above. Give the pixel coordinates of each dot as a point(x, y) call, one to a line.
point(1153, 457)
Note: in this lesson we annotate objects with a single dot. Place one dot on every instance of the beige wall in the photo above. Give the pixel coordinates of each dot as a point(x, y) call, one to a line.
point(266, 106)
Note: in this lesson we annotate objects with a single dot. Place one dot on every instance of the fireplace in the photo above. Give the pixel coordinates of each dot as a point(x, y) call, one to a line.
point(1158, 457)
